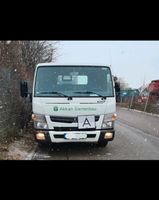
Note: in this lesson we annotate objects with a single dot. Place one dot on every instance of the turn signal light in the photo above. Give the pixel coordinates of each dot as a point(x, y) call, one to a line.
point(114, 116)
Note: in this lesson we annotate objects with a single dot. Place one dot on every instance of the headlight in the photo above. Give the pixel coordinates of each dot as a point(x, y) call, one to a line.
point(39, 121)
point(40, 125)
point(108, 121)
point(108, 124)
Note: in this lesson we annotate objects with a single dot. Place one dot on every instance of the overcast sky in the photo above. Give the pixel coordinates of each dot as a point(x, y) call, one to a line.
point(134, 61)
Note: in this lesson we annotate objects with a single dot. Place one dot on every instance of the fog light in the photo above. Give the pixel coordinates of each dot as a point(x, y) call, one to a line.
point(108, 135)
point(40, 136)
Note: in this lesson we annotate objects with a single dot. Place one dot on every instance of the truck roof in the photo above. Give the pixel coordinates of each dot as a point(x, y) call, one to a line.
point(65, 64)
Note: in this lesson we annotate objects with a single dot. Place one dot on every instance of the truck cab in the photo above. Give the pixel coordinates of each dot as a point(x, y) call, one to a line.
point(73, 103)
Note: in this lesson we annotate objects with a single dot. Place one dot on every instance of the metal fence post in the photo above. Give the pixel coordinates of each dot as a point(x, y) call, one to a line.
point(146, 102)
point(121, 99)
point(132, 98)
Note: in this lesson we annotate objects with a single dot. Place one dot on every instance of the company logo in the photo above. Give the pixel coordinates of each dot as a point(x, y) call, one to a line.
point(55, 108)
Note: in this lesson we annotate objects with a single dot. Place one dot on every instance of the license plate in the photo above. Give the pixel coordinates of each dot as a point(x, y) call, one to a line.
point(86, 122)
point(78, 136)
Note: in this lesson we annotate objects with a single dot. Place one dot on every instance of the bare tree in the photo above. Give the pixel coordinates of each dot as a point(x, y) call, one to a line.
point(17, 62)
point(10, 54)
point(34, 52)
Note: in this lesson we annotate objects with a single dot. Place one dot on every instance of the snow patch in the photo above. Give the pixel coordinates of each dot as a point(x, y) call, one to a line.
point(8, 42)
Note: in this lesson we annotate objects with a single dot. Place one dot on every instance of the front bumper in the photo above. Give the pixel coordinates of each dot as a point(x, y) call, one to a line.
point(58, 136)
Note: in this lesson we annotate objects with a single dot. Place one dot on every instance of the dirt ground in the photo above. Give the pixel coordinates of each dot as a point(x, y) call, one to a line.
point(18, 148)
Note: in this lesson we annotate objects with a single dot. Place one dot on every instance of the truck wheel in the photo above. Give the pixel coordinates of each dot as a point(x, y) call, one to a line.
point(102, 143)
point(42, 145)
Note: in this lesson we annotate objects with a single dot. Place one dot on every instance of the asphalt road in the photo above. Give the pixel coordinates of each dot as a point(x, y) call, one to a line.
point(137, 138)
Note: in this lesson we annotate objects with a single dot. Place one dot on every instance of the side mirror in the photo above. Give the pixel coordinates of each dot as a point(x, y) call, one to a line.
point(30, 97)
point(23, 89)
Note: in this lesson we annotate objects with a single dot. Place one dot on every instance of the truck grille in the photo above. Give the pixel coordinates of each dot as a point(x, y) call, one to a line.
point(72, 129)
point(68, 119)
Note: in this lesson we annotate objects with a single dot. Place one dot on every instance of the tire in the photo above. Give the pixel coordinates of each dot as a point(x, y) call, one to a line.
point(102, 143)
point(42, 145)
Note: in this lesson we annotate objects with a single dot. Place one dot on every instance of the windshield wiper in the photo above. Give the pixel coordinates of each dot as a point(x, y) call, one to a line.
point(60, 93)
point(90, 92)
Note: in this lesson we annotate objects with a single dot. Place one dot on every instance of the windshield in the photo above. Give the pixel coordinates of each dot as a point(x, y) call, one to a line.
point(81, 81)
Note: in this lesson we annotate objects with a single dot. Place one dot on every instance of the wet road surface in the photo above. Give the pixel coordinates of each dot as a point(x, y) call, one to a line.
point(132, 142)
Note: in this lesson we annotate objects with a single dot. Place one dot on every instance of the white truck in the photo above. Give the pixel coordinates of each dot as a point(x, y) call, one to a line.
point(73, 103)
